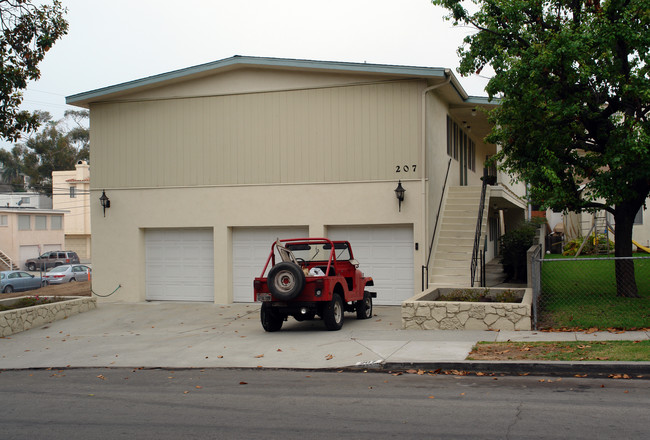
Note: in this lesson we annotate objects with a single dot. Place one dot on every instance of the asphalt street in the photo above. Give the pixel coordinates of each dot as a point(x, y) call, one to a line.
point(101, 403)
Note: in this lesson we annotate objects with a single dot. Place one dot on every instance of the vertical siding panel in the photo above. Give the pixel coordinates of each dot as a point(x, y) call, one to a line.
point(313, 135)
point(233, 130)
point(326, 143)
point(287, 133)
point(382, 123)
point(199, 147)
point(348, 141)
point(220, 140)
point(212, 162)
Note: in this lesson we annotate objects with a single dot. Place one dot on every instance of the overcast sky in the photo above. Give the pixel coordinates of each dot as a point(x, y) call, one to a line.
point(113, 41)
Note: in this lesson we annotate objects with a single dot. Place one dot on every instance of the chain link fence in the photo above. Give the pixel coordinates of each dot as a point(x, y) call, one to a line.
point(583, 292)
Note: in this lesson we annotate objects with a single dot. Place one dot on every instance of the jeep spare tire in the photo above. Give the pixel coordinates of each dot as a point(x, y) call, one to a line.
point(286, 280)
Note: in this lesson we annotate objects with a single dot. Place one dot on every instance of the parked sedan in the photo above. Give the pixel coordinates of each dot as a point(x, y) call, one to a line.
point(19, 281)
point(67, 273)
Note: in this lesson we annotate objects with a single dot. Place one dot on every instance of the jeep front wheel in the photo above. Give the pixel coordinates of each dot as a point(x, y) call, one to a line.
point(286, 280)
point(271, 318)
point(364, 307)
point(333, 313)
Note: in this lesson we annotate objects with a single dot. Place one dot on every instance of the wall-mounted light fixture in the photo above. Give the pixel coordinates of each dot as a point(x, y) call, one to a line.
point(474, 111)
point(399, 193)
point(105, 201)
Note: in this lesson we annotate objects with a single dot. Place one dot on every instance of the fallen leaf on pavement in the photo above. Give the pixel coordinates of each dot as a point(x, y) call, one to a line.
point(329, 357)
point(101, 377)
point(259, 356)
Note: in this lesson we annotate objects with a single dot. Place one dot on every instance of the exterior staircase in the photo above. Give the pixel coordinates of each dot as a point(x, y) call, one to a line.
point(6, 263)
point(452, 259)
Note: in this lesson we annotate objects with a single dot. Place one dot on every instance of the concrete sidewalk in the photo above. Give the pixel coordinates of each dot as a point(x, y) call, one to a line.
point(199, 335)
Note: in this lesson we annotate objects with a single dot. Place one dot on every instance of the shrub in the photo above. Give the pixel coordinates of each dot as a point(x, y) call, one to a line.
point(590, 248)
point(513, 246)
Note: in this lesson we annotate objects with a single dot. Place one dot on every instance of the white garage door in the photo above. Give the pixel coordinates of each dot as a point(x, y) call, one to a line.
point(179, 264)
point(27, 252)
point(250, 249)
point(386, 254)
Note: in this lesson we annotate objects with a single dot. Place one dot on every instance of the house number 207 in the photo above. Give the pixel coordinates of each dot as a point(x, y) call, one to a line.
point(404, 168)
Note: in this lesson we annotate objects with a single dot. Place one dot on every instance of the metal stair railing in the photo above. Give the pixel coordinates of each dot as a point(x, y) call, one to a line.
point(425, 269)
point(478, 257)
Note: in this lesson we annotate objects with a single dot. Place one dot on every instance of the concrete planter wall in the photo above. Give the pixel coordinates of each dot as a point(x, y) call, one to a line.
point(18, 320)
point(423, 312)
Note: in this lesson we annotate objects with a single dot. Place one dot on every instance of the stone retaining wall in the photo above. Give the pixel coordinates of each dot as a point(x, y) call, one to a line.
point(421, 313)
point(18, 320)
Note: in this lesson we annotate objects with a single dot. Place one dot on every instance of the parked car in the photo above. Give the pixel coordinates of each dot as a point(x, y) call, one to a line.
point(19, 281)
point(52, 259)
point(67, 273)
point(315, 276)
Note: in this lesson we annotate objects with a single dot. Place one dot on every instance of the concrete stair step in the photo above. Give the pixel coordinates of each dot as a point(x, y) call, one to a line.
point(450, 280)
point(452, 256)
point(445, 263)
point(456, 241)
point(449, 271)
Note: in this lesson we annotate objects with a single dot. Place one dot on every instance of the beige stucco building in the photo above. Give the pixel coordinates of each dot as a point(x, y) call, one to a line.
point(28, 233)
point(71, 192)
point(204, 167)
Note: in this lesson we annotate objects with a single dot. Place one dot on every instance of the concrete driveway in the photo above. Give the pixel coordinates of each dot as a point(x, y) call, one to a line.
point(183, 335)
point(201, 335)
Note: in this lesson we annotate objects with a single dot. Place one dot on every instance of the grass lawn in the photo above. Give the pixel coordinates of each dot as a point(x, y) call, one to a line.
point(582, 294)
point(563, 351)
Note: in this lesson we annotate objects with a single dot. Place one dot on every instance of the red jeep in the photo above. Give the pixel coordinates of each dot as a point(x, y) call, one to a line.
point(315, 276)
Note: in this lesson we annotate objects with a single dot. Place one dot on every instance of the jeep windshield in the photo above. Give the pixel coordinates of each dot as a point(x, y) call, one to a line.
point(310, 252)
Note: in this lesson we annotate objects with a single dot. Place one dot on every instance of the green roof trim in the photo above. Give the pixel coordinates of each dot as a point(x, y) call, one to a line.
point(422, 72)
point(483, 100)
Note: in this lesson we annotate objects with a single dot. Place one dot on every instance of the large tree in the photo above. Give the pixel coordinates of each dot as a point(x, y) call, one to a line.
point(54, 147)
point(573, 78)
point(28, 29)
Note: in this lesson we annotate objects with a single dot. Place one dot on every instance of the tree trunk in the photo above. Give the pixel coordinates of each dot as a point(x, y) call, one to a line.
point(625, 281)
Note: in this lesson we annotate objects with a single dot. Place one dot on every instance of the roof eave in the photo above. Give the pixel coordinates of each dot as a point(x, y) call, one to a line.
point(85, 98)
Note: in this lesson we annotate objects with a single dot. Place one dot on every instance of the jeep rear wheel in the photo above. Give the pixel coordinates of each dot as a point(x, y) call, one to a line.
point(271, 319)
point(31, 267)
point(364, 307)
point(286, 280)
point(333, 313)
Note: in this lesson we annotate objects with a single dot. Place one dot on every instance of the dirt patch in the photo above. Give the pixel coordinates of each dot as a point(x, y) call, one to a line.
point(67, 289)
point(505, 352)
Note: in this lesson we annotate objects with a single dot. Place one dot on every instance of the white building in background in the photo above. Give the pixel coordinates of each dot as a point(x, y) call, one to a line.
point(25, 200)
point(71, 192)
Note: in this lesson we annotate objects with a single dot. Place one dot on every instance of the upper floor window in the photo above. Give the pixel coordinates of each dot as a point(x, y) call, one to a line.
point(3, 220)
point(459, 144)
point(24, 223)
point(56, 222)
point(40, 222)
point(73, 192)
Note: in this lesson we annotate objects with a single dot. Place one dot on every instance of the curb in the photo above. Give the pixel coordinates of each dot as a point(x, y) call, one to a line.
point(637, 370)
